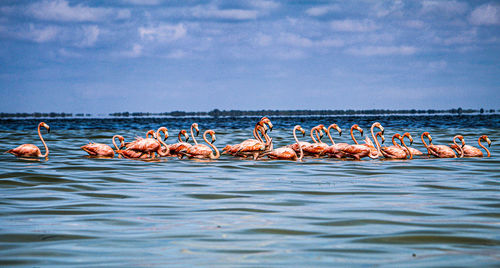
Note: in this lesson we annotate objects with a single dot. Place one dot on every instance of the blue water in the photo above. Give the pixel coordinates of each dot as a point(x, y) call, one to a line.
point(72, 210)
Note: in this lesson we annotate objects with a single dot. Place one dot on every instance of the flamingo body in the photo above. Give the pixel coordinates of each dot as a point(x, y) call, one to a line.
point(393, 152)
point(98, 149)
point(283, 153)
point(26, 150)
point(441, 151)
point(469, 151)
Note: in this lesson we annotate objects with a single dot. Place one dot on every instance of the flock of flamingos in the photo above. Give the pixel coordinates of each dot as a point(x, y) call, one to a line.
point(262, 145)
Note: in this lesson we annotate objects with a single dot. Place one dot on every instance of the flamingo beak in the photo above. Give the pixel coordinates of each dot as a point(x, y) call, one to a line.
point(340, 133)
point(411, 142)
point(361, 132)
point(488, 141)
point(48, 129)
point(270, 126)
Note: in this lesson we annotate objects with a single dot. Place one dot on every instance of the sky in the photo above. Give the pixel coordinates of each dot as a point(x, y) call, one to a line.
point(163, 55)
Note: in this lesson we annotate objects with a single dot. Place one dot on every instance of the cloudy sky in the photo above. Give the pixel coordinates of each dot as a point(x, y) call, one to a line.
point(164, 55)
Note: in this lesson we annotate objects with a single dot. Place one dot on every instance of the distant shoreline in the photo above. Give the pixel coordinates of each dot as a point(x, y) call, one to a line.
point(256, 113)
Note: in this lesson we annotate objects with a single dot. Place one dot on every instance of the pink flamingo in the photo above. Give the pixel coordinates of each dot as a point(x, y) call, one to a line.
point(358, 151)
point(287, 153)
point(148, 133)
point(102, 150)
point(440, 151)
point(202, 150)
point(394, 151)
point(303, 144)
point(412, 150)
point(471, 151)
point(252, 146)
point(176, 147)
point(408, 150)
point(334, 149)
point(30, 150)
point(148, 146)
point(318, 147)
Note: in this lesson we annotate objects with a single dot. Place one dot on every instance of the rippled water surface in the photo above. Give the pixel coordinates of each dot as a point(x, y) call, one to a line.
point(72, 210)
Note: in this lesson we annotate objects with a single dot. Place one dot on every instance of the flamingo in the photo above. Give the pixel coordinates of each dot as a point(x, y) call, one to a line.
point(394, 151)
point(202, 150)
point(287, 153)
point(303, 144)
point(249, 145)
point(335, 150)
point(358, 151)
point(176, 147)
point(102, 150)
point(317, 148)
point(30, 150)
point(148, 133)
point(408, 150)
point(440, 151)
point(412, 150)
point(459, 149)
point(471, 151)
point(148, 146)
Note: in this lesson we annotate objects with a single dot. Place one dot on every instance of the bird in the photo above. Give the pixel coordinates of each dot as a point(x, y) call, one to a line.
point(315, 149)
point(253, 146)
point(358, 151)
point(335, 149)
point(176, 147)
point(440, 151)
point(413, 151)
point(471, 151)
point(303, 144)
point(287, 153)
point(148, 133)
point(100, 149)
point(148, 146)
point(202, 150)
point(30, 150)
point(394, 151)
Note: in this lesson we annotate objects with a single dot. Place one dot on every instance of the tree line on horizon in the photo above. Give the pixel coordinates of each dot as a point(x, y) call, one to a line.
point(237, 113)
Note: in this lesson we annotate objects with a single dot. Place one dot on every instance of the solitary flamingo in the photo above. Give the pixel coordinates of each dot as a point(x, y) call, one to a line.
point(100, 149)
point(287, 153)
point(202, 150)
point(471, 151)
point(441, 151)
point(148, 146)
point(176, 147)
point(30, 150)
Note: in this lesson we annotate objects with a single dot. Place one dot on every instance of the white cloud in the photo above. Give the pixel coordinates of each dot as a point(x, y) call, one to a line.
point(486, 14)
point(353, 25)
point(144, 2)
point(264, 4)
point(60, 10)
point(136, 51)
point(295, 40)
point(214, 12)
point(382, 50)
point(90, 35)
point(444, 7)
point(41, 34)
point(163, 33)
point(321, 10)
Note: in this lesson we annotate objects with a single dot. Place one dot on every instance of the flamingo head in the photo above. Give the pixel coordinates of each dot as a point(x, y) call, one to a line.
point(336, 127)
point(396, 136)
point(377, 124)
point(45, 126)
point(152, 133)
point(195, 126)
point(407, 134)
point(211, 133)
point(265, 120)
point(164, 130)
point(355, 126)
point(299, 128)
point(184, 132)
point(122, 141)
point(461, 138)
point(486, 139)
point(426, 134)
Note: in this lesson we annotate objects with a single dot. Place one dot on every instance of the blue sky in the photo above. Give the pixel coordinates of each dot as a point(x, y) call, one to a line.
point(163, 55)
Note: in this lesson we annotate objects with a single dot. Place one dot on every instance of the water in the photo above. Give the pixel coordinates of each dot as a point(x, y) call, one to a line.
point(77, 211)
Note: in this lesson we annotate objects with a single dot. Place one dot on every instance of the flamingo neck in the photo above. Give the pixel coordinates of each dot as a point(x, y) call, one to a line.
point(114, 143)
point(425, 144)
point(375, 139)
point(312, 135)
point(329, 135)
point(160, 151)
point(44, 144)
point(256, 134)
point(484, 147)
point(217, 153)
point(301, 155)
point(407, 149)
point(460, 149)
point(192, 136)
point(394, 141)
point(352, 136)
